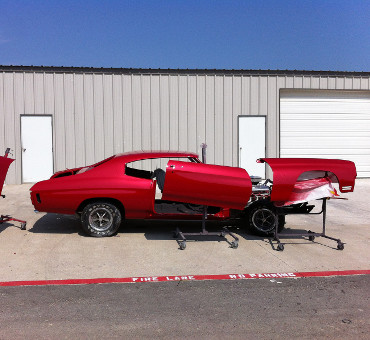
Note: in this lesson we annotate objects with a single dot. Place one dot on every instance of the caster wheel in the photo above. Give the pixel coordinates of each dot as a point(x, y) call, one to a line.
point(234, 244)
point(311, 238)
point(340, 246)
point(23, 226)
point(182, 245)
point(280, 247)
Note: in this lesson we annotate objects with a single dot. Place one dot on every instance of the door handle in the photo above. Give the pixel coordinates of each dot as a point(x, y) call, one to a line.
point(23, 149)
point(240, 157)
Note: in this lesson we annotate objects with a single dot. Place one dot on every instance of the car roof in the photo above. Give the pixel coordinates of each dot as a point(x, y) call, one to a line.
point(139, 155)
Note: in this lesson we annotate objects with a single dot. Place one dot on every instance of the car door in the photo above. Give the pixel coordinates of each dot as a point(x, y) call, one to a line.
point(205, 184)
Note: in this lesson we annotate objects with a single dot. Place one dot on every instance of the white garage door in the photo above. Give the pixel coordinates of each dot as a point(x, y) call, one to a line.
point(326, 124)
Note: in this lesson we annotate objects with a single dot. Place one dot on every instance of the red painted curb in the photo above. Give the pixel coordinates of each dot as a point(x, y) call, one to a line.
point(185, 278)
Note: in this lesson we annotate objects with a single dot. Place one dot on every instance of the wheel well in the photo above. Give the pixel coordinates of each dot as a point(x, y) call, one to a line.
point(113, 201)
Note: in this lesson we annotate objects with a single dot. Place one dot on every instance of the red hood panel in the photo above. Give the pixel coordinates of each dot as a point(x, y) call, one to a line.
point(205, 184)
point(4, 166)
point(287, 170)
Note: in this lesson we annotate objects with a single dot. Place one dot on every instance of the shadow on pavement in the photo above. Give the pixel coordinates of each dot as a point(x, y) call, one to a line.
point(152, 229)
point(56, 224)
point(6, 225)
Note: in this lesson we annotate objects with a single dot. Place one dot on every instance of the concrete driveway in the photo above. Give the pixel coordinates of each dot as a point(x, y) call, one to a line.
point(53, 247)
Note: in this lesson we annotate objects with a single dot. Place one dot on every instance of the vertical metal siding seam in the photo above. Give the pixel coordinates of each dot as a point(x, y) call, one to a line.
point(103, 108)
point(14, 128)
point(112, 116)
point(64, 118)
point(3, 104)
point(43, 90)
point(83, 116)
point(15, 134)
point(123, 110)
point(277, 117)
point(232, 122)
point(223, 118)
point(93, 112)
point(132, 114)
point(259, 96)
point(231, 118)
point(150, 115)
point(178, 111)
point(169, 112)
point(196, 113)
point(250, 96)
point(214, 118)
point(74, 120)
point(187, 115)
point(33, 91)
point(160, 112)
point(74, 117)
point(24, 97)
point(141, 112)
point(267, 117)
point(53, 122)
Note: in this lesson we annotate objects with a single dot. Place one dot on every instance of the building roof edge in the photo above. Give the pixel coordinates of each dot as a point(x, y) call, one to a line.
point(112, 70)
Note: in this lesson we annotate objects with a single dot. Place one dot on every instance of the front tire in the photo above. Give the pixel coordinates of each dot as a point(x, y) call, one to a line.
point(100, 219)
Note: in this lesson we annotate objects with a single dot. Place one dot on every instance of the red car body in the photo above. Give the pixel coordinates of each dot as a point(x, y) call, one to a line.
point(67, 191)
point(132, 191)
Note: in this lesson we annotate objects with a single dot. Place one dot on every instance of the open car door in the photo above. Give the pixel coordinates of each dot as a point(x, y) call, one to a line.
point(204, 184)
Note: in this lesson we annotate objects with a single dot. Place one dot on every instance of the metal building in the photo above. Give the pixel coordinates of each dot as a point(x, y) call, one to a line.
point(64, 117)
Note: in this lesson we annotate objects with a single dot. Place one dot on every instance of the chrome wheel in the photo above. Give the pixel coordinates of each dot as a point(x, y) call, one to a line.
point(101, 219)
point(263, 220)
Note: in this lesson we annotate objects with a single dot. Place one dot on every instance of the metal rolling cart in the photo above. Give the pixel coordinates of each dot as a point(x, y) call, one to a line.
point(310, 234)
point(4, 165)
point(181, 237)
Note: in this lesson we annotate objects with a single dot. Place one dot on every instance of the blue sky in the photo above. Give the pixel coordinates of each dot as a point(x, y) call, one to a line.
point(292, 34)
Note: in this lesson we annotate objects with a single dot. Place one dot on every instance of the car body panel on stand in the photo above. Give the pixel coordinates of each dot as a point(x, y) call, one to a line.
point(205, 184)
point(286, 172)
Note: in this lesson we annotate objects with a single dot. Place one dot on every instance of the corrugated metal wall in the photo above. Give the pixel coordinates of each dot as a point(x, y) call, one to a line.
point(96, 115)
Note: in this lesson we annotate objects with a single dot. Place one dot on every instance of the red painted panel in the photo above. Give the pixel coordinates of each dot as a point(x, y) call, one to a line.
point(287, 170)
point(4, 166)
point(205, 184)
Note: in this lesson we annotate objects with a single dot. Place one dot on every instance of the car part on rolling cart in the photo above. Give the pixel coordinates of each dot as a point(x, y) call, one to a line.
point(4, 166)
point(181, 237)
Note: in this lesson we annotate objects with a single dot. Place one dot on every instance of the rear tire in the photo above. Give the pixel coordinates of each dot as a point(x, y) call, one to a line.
point(100, 219)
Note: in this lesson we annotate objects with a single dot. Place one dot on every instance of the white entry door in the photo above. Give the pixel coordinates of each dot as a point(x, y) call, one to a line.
point(252, 144)
point(37, 148)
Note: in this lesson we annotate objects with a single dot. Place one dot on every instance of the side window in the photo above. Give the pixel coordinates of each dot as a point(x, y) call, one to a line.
point(145, 168)
point(135, 169)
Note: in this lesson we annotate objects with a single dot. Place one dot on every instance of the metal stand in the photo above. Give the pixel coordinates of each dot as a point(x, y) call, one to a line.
point(179, 234)
point(182, 241)
point(311, 235)
point(7, 218)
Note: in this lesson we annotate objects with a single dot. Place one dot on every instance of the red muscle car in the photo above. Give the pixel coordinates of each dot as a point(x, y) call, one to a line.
point(134, 185)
